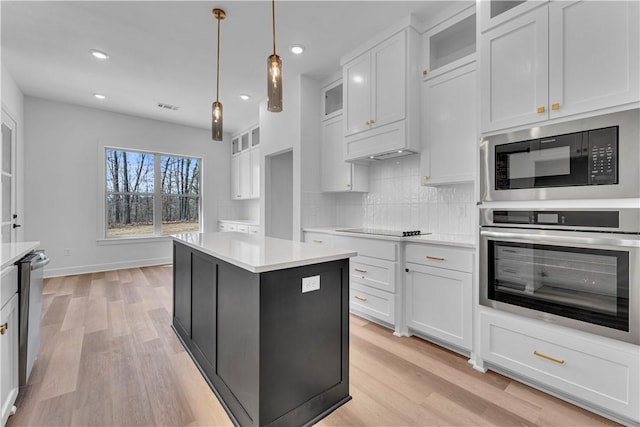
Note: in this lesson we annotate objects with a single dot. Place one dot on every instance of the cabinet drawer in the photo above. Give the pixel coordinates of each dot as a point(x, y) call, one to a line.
point(440, 256)
point(241, 228)
point(588, 369)
point(232, 227)
point(254, 229)
point(318, 238)
point(8, 284)
point(376, 303)
point(223, 226)
point(384, 249)
point(373, 272)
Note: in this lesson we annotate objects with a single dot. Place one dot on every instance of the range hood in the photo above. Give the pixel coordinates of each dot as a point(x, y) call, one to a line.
point(390, 155)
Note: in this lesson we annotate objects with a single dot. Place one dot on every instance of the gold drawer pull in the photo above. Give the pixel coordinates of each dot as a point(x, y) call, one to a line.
point(317, 241)
point(367, 123)
point(544, 356)
point(425, 72)
point(360, 298)
point(541, 110)
point(435, 258)
point(555, 106)
point(4, 327)
point(360, 271)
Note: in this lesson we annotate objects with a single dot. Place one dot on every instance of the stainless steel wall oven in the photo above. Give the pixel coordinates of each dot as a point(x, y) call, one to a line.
point(576, 268)
point(583, 159)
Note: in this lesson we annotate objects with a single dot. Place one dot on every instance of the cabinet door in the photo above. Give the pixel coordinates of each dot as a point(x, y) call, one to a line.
point(439, 304)
point(593, 55)
point(182, 287)
point(336, 173)
point(514, 72)
point(9, 358)
point(449, 127)
point(495, 12)
point(235, 177)
point(389, 81)
point(204, 308)
point(244, 171)
point(255, 173)
point(357, 94)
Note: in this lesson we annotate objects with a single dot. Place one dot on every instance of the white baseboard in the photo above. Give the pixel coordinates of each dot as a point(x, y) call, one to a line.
point(96, 268)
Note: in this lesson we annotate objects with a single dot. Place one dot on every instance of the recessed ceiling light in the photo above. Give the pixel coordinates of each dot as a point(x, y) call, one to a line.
point(99, 95)
point(244, 96)
point(99, 54)
point(297, 49)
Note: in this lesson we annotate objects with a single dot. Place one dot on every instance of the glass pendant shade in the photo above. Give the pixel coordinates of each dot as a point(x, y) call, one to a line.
point(216, 121)
point(274, 83)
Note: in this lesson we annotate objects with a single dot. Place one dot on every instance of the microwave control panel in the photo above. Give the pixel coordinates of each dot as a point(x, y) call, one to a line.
point(603, 156)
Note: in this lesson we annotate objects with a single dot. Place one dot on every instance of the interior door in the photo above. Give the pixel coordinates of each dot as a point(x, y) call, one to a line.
point(9, 214)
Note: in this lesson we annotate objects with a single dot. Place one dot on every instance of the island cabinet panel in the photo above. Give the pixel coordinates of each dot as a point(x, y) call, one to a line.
point(203, 320)
point(274, 352)
point(182, 288)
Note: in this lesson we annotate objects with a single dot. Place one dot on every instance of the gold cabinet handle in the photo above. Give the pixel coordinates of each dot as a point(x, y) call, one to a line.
point(435, 258)
point(360, 298)
point(360, 270)
point(555, 106)
point(367, 123)
point(372, 121)
point(4, 327)
point(424, 72)
point(317, 241)
point(544, 356)
point(541, 110)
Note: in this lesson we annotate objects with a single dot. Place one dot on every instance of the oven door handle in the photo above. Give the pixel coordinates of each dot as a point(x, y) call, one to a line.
point(615, 240)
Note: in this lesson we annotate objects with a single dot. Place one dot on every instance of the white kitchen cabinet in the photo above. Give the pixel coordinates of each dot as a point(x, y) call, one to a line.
point(336, 174)
point(240, 226)
point(594, 55)
point(245, 165)
point(332, 99)
point(514, 72)
point(450, 45)
point(450, 129)
point(595, 371)
point(439, 286)
point(495, 12)
point(380, 98)
point(561, 59)
point(320, 239)
point(8, 357)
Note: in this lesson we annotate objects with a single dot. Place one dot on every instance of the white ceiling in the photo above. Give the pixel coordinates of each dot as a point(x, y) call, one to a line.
point(164, 51)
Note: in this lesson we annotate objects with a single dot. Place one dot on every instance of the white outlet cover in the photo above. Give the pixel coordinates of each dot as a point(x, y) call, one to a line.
point(311, 283)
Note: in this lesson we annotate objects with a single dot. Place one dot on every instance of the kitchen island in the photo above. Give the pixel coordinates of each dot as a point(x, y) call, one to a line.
point(267, 323)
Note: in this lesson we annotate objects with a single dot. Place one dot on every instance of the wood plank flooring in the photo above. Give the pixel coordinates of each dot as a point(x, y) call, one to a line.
point(109, 358)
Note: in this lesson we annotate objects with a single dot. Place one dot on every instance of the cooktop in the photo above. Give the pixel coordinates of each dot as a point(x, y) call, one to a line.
point(383, 232)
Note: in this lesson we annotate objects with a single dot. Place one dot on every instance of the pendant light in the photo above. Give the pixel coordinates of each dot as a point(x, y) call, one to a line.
point(216, 107)
point(274, 71)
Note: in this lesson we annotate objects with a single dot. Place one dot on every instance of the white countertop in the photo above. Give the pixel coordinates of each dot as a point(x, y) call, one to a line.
point(260, 254)
point(241, 221)
point(12, 252)
point(462, 241)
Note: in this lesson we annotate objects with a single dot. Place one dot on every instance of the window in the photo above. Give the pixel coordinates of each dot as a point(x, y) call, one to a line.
point(150, 194)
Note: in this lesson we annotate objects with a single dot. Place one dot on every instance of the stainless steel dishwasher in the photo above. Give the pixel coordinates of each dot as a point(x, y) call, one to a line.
point(29, 311)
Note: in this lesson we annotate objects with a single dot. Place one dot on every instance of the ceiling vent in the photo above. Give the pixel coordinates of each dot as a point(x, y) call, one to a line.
point(168, 106)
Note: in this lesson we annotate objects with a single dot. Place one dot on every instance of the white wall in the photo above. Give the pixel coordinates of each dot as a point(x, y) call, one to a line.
point(13, 104)
point(64, 187)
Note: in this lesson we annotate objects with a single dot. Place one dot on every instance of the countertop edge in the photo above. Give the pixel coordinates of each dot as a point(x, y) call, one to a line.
point(433, 239)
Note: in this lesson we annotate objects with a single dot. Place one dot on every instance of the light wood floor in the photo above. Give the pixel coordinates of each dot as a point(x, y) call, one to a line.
point(109, 357)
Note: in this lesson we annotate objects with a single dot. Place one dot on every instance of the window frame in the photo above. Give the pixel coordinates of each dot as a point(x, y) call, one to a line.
point(157, 196)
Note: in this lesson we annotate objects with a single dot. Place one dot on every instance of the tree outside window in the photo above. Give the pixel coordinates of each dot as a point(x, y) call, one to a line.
point(151, 194)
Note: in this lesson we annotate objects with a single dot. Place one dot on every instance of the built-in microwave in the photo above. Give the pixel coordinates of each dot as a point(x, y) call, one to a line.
point(590, 158)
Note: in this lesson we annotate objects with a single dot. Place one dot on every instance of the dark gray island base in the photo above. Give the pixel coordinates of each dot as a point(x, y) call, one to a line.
point(272, 354)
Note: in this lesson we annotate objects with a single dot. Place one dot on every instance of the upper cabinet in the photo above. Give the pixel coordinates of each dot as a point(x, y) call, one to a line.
point(337, 175)
point(381, 97)
point(492, 13)
point(245, 165)
point(449, 101)
point(560, 59)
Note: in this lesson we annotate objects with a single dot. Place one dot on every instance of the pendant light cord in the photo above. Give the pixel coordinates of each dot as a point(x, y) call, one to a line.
point(273, 21)
point(218, 63)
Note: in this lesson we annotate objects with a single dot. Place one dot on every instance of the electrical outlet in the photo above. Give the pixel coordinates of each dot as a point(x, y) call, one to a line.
point(311, 283)
point(67, 251)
